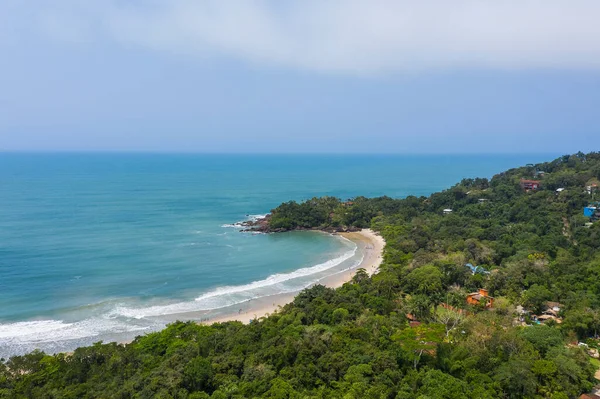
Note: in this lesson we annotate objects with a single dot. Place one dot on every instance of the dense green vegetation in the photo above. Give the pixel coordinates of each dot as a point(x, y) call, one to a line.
point(356, 341)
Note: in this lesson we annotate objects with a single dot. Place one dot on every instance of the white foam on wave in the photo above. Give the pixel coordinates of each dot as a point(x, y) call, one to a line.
point(43, 331)
point(240, 224)
point(54, 336)
point(25, 328)
point(279, 278)
point(232, 295)
point(125, 320)
point(234, 225)
point(256, 217)
point(153, 311)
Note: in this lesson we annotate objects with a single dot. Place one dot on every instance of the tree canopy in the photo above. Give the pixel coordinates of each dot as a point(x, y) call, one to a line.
point(405, 332)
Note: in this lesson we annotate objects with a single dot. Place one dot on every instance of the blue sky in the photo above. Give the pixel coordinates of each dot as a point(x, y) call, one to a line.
point(308, 76)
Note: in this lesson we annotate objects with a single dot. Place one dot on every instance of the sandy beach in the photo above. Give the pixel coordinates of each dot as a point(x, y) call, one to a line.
point(369, 242)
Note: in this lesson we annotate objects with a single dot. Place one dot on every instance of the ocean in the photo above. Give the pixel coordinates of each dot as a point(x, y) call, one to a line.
point(104, 247)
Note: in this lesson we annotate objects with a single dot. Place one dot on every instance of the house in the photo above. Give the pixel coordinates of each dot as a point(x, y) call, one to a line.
point(475, 298)
point(592, 212)
point(476, 269)
point(447, 211)
point(545, 317)
point(589, 211)
point(560, 190)
point(594, 394)
point(482, 200)
point(592, 186)
point(550, 313)
point(553, 306)
point(530, 184)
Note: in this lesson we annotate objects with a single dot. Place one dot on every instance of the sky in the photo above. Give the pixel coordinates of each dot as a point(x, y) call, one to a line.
point(381, 76)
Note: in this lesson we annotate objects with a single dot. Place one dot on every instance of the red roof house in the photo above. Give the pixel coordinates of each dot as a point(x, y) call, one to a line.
point(530, 184)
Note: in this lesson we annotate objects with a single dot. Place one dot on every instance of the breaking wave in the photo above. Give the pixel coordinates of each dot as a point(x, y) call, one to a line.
point(118, 321)
point(231, 295)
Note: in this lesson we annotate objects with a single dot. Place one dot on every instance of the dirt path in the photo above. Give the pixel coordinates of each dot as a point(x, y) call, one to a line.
point(567, 230)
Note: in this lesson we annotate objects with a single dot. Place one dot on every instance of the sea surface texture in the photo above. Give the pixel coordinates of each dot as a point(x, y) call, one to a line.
point(109, 246)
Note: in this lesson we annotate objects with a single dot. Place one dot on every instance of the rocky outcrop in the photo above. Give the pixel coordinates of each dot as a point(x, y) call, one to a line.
point(261, 225)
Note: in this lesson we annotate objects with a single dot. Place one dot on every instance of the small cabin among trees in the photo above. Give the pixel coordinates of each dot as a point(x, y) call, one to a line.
point(475, 298)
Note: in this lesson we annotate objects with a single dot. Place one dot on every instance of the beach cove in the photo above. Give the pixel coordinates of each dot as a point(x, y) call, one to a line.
point(368, 242)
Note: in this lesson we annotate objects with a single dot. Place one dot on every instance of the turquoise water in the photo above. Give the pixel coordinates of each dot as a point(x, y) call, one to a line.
point(109, 246)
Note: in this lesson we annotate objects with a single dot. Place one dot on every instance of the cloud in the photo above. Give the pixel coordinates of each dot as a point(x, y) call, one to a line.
point(348, 36)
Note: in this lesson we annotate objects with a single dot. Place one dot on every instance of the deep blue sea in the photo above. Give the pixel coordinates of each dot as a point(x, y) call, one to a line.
point(108, 246)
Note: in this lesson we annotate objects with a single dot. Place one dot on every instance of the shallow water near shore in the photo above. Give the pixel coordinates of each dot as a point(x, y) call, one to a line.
point(108, 246)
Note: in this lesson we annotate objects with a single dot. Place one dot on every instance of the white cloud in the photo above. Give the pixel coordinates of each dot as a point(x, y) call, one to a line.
point(350, 36)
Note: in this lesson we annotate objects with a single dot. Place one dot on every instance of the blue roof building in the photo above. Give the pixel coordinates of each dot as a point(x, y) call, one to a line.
point(476, 269)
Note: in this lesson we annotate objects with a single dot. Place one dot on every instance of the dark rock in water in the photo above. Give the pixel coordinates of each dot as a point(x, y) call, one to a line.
point(261, 225)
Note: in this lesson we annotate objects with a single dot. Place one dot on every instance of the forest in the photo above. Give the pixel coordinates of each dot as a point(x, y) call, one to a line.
point(489, 289)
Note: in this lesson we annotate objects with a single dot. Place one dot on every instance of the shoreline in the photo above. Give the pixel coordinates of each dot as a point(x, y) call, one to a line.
point(367, 240)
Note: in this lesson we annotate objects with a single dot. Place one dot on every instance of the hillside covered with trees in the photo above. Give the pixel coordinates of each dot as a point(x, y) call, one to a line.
point(409, 331)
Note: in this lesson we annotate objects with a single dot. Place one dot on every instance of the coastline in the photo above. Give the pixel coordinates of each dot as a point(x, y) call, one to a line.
point(369, 243)
point(367, 240)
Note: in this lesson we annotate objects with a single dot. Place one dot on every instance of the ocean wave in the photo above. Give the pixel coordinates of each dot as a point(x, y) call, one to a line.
point(117, 320)
point(222, 297)
point(43, 331)
point(25, 328)
point(234, 225)
point(279, 278)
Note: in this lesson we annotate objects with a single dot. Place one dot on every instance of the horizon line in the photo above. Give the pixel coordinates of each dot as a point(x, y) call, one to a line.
point(181, 152)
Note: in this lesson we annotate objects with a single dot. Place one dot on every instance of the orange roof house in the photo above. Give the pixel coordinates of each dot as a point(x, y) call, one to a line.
point(474, 298)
